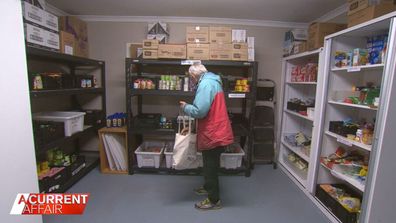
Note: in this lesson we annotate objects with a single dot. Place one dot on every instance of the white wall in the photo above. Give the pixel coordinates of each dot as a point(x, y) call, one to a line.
point(17, 166)
point(107, 42)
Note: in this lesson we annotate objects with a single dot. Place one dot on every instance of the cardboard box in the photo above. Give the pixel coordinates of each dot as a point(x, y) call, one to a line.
point(52, 40)
point(150, 54)
point(357, 5)
point(51, 21)
point(370, 12)
point(317, 32)
point(197, 34)
point(150, 44)
point(238, 36)
point(240, 51)
point(251, 54)
point(220, 34)
point(136, 50)
point(35, 35)
point(82, 48)
point(67, 43)
point(75, 26)
point(220, 51)
point(250, 41)
point(198, 51)
point(300, 48)
point(292, 38)
point(172, 51)
point(33, 14)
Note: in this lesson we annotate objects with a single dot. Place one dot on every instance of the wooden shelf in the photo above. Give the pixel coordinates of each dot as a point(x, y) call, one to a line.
point(104, 164)
point(348, 142)
point(301, 83)
point(353, 105)
point(296, 150)
point(358, 68)
point(298, 115)
point(350, 180)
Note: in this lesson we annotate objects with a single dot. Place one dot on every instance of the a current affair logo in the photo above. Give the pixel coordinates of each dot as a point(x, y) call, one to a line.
point(45, 204)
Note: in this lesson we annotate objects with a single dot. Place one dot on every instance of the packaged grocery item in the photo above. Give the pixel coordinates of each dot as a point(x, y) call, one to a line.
point(360, 57)
point(340, 59)
point(294, 73)
point(311, 72)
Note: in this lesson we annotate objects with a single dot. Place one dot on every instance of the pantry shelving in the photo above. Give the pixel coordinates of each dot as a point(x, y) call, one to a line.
point(68, 99)
point(348, 142)
point(300, 79)
point(353, 105)
point(298, 115)
point(358, 161)
point(136, 104)
point(359, 68)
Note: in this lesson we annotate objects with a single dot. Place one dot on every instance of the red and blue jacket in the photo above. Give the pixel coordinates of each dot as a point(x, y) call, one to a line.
point(209, 107)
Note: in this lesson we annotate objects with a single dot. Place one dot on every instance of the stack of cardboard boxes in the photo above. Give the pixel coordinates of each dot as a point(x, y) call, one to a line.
point(41, 27)
point(66, 34)
point(317, 32)
point(74, 35)
point(360, 11)
point(205, 43)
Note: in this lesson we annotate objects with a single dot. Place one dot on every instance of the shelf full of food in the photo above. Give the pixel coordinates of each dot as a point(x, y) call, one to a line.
point(299, 143)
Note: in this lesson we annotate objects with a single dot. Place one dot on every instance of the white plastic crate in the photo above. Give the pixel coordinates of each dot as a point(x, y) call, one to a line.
point(169, 157)
point(232, 160)
point(149, 159)
point(73, 121)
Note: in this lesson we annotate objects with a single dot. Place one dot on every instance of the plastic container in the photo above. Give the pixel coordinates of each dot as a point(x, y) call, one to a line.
point(148, 158)
point(169, 156)
point(232, 160)
point(73, 121)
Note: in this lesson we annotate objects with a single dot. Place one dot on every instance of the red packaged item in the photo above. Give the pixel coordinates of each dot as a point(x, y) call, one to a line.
point(301, 75)
point(294, 73)
point(312, 71)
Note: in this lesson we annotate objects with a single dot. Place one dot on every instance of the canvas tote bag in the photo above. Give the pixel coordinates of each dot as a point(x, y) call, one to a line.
point(184, 150)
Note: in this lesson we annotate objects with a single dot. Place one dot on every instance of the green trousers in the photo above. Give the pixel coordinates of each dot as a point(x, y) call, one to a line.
point(211, 165)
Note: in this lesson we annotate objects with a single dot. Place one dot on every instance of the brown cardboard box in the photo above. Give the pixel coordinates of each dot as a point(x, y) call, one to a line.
point(317, 32)
point(75, 26)
point(150, 54)
point(197, 34)
point(197, 51)
point(300, 47)
point(134, 48)
point(82, 48)
point(220, 34)
point(240, 51)
point(220, 51)
point(357, 5)
point(150, 44)
point(172, 51)
point(67, 43)
point(370, 12)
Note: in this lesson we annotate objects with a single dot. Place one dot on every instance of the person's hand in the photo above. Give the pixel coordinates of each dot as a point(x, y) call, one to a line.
point(184, 131)
point(182, 104)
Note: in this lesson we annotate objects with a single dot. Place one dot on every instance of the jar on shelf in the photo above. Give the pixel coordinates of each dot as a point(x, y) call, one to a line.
point(367, 137)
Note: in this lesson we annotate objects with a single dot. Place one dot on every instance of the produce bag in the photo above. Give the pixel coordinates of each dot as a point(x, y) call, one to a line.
point(184, 150)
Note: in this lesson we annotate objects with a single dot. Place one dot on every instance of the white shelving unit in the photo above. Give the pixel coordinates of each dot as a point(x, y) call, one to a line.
point(293, 122)
point(375, 190)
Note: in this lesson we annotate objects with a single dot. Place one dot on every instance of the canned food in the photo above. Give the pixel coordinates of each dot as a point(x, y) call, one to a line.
point(244, 82)
point(238, 82)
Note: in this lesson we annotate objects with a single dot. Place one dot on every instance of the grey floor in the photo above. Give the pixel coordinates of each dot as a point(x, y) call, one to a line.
point(267, 196)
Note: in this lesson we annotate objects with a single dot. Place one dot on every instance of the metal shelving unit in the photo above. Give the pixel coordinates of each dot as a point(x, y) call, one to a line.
point(73, 65)
point(241, 127)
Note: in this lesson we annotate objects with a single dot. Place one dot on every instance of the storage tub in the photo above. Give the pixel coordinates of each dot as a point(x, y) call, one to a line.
point(232, 160)
point(147, 158)
point(169, 157)
point(73, 121)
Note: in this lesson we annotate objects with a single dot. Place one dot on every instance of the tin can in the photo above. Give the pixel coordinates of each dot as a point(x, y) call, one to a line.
point(238, 82)
point(244, 81)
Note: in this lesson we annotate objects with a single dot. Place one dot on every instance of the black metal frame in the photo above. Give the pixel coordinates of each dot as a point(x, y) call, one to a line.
point(74, 63)
point(242, 130)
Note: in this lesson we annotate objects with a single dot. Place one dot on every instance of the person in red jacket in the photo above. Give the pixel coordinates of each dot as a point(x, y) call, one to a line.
point(214, 130)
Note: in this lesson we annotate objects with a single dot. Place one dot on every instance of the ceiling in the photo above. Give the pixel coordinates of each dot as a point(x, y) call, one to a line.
point(273, 10)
